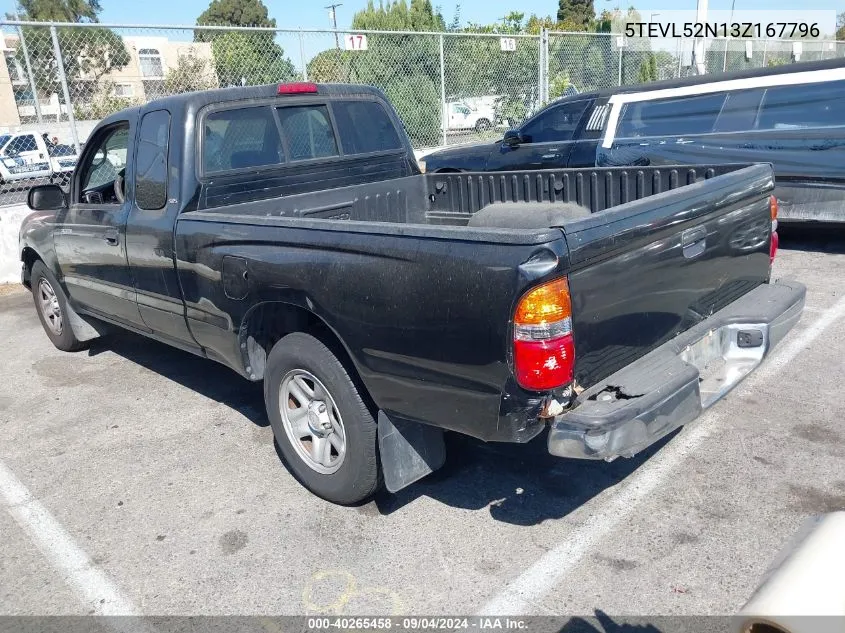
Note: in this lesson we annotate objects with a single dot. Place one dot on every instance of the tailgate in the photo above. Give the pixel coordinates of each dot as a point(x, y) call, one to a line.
point(643, 272)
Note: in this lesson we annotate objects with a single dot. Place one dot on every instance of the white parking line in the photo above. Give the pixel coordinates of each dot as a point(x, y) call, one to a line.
point(519, 596)
point(94, 588)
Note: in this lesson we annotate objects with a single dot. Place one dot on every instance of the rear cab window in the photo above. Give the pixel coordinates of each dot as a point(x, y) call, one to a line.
point(275, 134)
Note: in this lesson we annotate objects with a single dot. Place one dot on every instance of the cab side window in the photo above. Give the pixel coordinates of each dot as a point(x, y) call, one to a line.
point(151, 161)
point(103, 163)
point(558, 123)
point(676, 116)
point(802, 106)
point(19, 144)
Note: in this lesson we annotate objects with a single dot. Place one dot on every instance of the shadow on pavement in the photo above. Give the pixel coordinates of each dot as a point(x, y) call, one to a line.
point(816, 238)
point(204, 376)
point(520, 483)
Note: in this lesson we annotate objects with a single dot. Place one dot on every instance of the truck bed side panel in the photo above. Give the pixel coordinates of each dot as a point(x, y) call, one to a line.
point(423, 312)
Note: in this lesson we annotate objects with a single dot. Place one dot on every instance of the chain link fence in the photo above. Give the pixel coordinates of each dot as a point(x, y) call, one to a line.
point(58, 80)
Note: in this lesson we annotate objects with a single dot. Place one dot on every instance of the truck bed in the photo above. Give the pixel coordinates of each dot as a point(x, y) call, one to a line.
point(424, 303)
point(451, 199)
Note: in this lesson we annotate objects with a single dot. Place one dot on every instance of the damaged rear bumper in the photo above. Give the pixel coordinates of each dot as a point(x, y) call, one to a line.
point(674, 383)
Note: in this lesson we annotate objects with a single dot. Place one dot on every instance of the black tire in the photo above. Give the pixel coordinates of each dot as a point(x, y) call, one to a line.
point(482, 125)
point(63, 338)
point(358, 475)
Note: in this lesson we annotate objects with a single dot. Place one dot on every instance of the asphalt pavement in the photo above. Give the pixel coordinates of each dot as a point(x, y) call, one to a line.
point(140, 479)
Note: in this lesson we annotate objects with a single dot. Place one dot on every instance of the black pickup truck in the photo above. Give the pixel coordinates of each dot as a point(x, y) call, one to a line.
point(287, 232)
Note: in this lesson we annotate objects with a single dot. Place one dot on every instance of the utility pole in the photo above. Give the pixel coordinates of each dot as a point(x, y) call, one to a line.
point(333, 13)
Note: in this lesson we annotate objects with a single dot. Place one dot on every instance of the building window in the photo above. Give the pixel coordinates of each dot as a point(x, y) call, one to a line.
point(123, 90)
point(151, 65)
point(16, 72)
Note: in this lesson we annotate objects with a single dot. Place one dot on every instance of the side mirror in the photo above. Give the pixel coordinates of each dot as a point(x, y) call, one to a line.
point(46, 198)
point(512, 138)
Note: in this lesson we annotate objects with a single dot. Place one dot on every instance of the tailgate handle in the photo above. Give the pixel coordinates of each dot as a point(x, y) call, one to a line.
point(694, 241)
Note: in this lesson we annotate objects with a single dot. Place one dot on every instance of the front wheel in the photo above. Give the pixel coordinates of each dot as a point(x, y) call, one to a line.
point(326, 433)
point(52, 307)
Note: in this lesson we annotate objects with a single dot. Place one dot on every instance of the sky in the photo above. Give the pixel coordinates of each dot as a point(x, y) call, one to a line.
point(311, 14)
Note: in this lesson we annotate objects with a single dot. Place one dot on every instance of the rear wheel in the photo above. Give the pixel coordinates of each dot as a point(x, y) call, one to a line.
point(325, 431)
point(482, 125)
point(52, 308)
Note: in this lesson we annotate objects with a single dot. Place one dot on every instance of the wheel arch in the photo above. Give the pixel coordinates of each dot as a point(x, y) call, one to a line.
point(268, 322)
point(29, 256)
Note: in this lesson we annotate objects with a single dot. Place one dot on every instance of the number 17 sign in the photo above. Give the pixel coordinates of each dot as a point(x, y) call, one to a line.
point(355, 42)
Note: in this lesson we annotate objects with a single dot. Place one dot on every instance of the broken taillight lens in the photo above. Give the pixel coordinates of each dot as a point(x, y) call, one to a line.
point(544, 350)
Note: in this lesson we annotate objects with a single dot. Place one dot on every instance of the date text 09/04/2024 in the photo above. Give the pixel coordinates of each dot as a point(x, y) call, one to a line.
point(722, 29)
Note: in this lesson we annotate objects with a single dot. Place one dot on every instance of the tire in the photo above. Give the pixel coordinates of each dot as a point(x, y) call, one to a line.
point(482, 125)
point(51, 306)
point(323, 409)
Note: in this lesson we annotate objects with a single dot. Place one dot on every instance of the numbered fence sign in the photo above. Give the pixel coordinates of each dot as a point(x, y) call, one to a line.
point(356, 42)
point(507, 43)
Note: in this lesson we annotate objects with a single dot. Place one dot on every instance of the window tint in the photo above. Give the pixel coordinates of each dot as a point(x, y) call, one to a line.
point(107, 159)
point(151, 161)
point(365, 127)
point(308, 132)
point(558, 123)
point(671, 117)
point(740, 111)
point(235, 139)
point(803, 106)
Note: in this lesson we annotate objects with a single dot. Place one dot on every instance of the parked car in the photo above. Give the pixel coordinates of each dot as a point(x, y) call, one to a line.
point(792, 116)
point(28, 155)
point(380, 306)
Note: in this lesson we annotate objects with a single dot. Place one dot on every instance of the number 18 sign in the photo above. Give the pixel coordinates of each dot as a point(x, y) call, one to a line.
point(355, 42)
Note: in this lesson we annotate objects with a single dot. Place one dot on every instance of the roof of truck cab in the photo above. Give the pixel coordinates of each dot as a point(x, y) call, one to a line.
point(196, 100)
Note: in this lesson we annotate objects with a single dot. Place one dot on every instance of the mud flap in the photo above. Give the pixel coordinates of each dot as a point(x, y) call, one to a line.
point(409, 451)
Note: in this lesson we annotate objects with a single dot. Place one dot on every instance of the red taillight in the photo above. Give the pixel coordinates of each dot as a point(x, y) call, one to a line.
point(773, 244)
point(773, 247)
point(543, 347)
point(298, 88)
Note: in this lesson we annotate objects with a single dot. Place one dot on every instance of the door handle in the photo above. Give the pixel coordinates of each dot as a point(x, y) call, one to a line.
point(112, 237)
point(694, 241)
point(547, 158)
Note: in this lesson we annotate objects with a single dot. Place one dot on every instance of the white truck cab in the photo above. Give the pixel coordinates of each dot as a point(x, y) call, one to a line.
point(25, 155)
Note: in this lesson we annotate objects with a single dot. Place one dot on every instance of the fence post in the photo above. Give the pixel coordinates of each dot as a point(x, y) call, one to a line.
point(444, 116)
point(543, 70)
point(60, 66)
point(765, 48)
point(725, 61)
point(30, 76)
point(302, 57)
point(621, 50)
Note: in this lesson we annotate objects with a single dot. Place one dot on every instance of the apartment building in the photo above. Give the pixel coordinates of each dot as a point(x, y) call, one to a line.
point(141, 80)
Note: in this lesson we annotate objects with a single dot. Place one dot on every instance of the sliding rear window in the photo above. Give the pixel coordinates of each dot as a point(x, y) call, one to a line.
point(241, 138)
point(365, 127)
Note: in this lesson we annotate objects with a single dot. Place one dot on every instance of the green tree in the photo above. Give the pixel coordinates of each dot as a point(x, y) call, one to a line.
point(840, 26)
point(579, 13)
point(89, 54)
point(234, 13)
point(60, 10)
point(243, 57)
point(406, 67)
point(192, 72)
